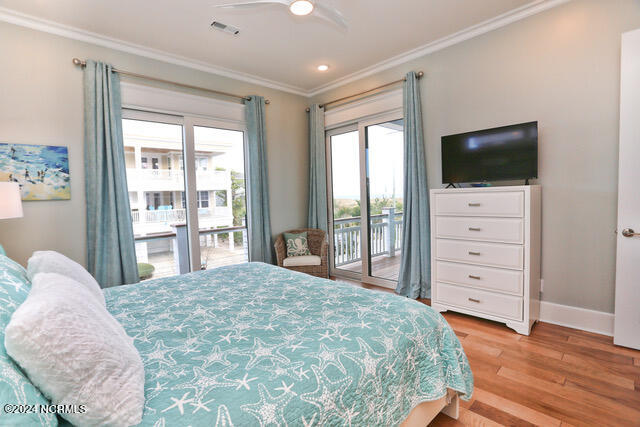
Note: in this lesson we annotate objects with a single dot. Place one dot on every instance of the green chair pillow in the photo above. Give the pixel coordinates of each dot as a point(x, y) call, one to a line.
point(297, 244)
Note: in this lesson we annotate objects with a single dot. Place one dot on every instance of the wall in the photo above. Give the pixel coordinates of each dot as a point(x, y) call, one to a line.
point(562, 68)
point(41, 102)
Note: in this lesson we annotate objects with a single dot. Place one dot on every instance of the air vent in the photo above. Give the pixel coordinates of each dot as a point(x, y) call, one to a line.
point(226, 28)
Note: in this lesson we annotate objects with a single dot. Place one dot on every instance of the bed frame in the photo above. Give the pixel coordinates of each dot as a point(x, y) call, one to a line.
point(425, 412)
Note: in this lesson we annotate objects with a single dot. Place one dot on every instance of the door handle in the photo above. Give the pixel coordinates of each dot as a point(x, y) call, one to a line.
point(628, 232)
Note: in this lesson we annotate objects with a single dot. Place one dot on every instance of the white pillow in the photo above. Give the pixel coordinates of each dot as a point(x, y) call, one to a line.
point(54, 262)
point(76, 353)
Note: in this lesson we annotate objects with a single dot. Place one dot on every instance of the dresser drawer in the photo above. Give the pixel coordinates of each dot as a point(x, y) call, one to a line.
point(502, 204)
point(507, 230)
point(489, 254)
point(492, 279)
point(499, 305)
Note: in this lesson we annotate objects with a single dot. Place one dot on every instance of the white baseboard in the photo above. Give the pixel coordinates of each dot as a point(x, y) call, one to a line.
point(577, 318)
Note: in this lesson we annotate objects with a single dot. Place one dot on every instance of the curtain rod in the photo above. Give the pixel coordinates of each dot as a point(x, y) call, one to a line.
point(419, 75)
point(83, 64)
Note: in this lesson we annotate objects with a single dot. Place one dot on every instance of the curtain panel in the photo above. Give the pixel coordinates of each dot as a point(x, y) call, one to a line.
point(415, 265)
point(317, 217)
point(260, 246)
point(111, 255)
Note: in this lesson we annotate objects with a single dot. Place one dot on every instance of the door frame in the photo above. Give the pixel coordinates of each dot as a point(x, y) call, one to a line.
point(361, 127)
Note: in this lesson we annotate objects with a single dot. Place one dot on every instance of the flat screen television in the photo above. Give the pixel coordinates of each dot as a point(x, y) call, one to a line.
point(498, 154)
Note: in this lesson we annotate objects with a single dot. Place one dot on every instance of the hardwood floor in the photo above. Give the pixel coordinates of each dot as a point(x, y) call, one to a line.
point(557, 376)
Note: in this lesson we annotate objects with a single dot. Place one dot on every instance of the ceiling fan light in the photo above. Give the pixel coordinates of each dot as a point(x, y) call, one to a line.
point(301, 7)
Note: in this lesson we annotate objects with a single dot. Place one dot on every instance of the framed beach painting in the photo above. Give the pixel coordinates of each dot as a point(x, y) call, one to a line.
point(41, 170)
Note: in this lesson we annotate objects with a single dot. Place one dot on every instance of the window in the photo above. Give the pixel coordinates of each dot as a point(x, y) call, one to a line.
point(202, 163)
point(203, 199)
point(221, 198)
point(186, 145)
point(365, 170)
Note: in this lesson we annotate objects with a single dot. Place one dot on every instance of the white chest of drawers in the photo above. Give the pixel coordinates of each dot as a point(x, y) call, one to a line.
point(485, 253)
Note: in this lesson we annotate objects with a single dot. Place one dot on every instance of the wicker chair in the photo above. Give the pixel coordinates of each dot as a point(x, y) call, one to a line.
point(317, 246)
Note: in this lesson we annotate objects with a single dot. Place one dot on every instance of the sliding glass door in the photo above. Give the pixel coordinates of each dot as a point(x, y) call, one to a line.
point(385, 181)
point(344, 155)
point(187, 193)
point(365, 183)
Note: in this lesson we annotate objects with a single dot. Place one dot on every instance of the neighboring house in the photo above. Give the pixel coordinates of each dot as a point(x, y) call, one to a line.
point(155, 177)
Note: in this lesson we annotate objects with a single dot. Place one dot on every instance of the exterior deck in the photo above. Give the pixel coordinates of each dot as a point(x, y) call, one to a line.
point(384, 267)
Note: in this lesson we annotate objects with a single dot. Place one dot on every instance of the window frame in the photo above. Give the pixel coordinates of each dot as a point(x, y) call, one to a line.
point(173, 107)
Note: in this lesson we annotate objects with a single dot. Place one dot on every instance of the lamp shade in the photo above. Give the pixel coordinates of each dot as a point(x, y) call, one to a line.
point(10, 200)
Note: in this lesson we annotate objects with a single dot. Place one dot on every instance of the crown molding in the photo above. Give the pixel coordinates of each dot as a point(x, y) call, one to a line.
point(499, 21)
point(13, 17)
point(35, 23)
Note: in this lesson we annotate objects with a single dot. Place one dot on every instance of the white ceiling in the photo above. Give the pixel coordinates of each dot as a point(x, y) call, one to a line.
point(273, 44)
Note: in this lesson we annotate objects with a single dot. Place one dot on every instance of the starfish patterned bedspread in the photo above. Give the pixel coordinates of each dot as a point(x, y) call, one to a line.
point(254, 344)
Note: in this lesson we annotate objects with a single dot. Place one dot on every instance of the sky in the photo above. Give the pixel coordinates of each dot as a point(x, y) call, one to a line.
point(386, 160)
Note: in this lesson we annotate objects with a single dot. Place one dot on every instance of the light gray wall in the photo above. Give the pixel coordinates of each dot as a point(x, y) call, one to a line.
point(560, 67)
point(41, 102)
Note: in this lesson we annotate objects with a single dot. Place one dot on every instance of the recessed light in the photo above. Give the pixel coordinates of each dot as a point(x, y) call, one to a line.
point(301, 7)
point(323, 67)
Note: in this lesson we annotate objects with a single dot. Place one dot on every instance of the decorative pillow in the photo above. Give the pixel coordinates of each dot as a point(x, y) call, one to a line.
point(297, 244)
point(15, 387)
point(77, 353)
point(54, 262)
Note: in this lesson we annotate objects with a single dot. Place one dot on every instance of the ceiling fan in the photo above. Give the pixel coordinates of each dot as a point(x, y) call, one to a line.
point(297, 7)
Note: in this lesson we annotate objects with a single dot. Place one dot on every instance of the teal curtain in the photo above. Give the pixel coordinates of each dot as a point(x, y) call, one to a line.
point(317, 217)
point(260, 247)
point(111, 255)
point(415, 265)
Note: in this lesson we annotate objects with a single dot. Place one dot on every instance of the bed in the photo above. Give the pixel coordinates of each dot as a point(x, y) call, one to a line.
point(254, 344)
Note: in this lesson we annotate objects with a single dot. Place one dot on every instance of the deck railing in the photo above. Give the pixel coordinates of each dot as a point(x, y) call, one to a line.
point(167, 215)
point(208, 239)
point(385, 236)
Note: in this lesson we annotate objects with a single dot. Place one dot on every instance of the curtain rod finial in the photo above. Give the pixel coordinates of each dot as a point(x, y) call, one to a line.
point(78, 62)
point(420, 74)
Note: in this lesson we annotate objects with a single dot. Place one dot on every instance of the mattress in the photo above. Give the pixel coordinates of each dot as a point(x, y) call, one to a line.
point(254, 344)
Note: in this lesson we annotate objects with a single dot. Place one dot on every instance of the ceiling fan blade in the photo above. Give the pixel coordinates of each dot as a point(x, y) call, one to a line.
point(253, 3)
point(330, 14)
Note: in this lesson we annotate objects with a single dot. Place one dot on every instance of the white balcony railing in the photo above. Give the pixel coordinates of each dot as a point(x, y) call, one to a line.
point(167, 216)
point(385, 237)
point(173, 179)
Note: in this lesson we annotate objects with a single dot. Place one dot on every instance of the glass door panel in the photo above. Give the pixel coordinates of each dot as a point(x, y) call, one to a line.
point(221, 196)
point(158, 215)
point(345, 192)
point(385, 181)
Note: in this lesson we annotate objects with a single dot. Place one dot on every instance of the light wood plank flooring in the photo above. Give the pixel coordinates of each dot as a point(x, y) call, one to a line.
point(557, 376)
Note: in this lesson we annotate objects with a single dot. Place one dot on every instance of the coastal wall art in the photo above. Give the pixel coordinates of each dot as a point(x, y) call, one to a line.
point(41, 170)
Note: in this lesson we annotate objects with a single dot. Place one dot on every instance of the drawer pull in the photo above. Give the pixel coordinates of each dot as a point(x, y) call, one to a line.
point(474, 205)
point(474, 300)
point(471, 276)
point(474, 229)
point(474, 253)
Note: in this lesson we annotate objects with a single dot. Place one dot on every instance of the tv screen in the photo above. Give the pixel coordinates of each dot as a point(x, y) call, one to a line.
point(498, 154)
